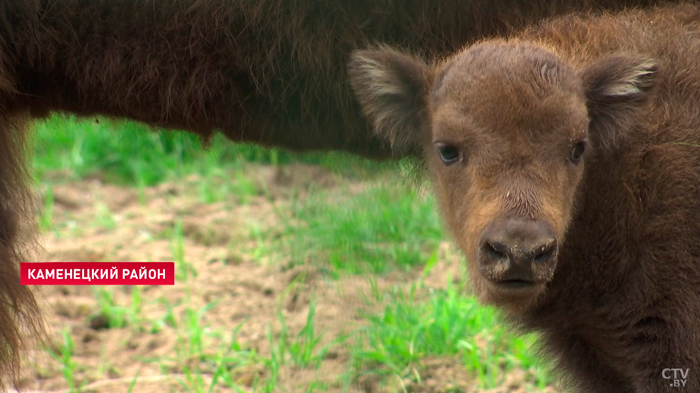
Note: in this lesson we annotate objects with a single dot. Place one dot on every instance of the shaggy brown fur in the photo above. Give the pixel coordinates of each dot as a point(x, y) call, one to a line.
point(582, 132)
point(265, 71)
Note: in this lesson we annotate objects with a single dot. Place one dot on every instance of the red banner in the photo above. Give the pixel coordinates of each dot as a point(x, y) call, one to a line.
point(97, 273)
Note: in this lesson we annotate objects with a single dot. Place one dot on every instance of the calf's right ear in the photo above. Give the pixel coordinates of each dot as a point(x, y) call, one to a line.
point(392, 89)
point(617, 87)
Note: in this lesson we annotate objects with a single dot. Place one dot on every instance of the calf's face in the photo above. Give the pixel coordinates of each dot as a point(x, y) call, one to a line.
point(506, 129)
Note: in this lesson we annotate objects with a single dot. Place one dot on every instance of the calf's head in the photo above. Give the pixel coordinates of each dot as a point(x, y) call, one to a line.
point(506, 128)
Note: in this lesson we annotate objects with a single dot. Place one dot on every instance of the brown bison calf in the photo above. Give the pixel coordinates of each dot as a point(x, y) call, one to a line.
point(566, 162)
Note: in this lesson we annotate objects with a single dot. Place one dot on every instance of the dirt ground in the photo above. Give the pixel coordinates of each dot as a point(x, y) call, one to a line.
point(249, 289)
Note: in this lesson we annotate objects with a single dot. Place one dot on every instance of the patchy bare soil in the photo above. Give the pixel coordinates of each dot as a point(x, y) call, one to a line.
point(101, 222)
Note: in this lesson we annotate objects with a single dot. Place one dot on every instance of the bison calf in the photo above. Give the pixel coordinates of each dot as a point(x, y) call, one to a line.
point(566, 161)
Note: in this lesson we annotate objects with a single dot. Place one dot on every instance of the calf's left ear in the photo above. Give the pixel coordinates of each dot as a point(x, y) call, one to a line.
point(617, 86)
point(392, 89)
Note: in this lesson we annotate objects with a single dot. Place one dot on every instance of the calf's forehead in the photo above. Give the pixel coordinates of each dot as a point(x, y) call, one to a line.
point(506, 91)
point(558, 119)
point(503, 61)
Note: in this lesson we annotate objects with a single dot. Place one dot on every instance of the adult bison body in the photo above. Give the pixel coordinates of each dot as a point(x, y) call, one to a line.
point(271, 72)
point(566, 161)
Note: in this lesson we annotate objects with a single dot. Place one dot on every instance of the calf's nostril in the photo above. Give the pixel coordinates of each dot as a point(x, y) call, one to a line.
point(495, 250)
point(546, 252)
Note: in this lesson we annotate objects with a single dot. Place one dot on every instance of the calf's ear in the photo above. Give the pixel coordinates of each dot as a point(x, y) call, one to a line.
point(392, 89)
point(617, 86)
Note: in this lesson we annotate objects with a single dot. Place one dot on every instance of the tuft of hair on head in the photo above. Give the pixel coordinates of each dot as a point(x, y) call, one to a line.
point(392, 89)
point(548, 71)
point(617, 86)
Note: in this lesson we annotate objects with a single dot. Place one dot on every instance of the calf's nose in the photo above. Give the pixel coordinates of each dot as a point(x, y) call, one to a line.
point(517, 250)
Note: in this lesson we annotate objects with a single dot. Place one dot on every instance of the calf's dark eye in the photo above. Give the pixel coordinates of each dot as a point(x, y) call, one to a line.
point(448, 154)
point(577, 152)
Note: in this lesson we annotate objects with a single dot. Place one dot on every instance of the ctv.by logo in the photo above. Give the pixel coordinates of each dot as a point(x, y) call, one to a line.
point(673, 374)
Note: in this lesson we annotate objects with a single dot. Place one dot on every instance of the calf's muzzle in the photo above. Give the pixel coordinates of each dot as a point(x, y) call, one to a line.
point(516, 252)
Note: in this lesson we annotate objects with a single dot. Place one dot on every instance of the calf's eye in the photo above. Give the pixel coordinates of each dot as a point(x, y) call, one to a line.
point(448, 154)
point(577, 152)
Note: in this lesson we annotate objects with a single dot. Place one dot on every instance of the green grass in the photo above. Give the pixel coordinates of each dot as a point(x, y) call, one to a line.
point(64, 354)
point(46, 216)
point(77, 148)
point(372, 230)
point(114, 314)
point(380, 228)
point(183, 269)
point(305, 349)
point(415, 326)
